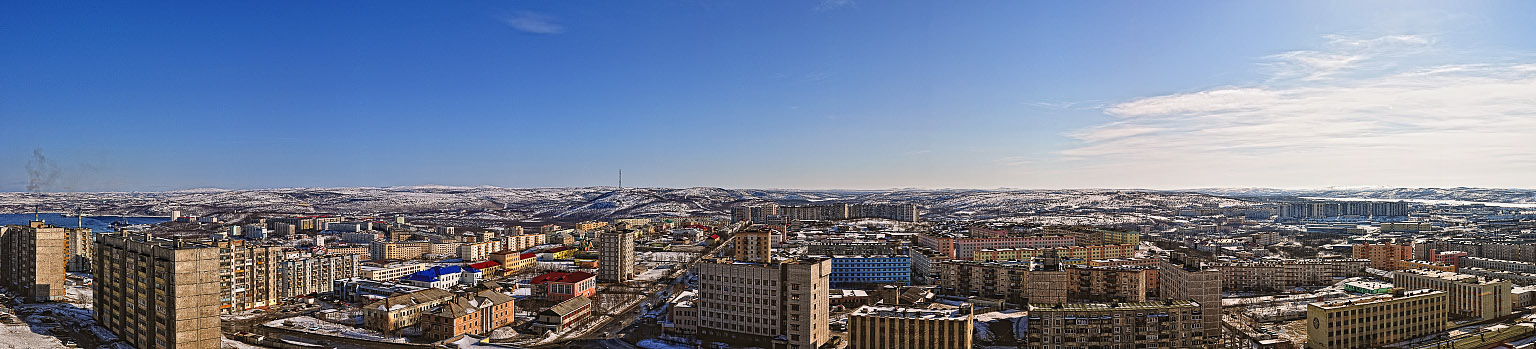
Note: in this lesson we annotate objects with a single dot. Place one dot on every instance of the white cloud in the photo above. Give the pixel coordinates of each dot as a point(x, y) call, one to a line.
point(1359, 114)
point(535, 23)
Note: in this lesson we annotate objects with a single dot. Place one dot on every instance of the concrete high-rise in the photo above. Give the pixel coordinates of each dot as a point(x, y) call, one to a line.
point(780, 304)
point(32, 259)
point(157, 293)
point(1181, 279)
point(875, 327)
point(80, 247)
point(616, 255)
point(754, 245)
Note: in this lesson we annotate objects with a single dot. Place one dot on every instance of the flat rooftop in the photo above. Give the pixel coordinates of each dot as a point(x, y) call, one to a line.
point(910, 313)
point(1110, 306)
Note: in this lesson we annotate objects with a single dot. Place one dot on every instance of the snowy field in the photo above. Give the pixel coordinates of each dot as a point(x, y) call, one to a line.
point(305, 323)
point(21, 337)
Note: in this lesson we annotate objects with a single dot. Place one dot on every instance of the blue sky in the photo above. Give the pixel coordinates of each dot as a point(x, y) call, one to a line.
point(766, 94)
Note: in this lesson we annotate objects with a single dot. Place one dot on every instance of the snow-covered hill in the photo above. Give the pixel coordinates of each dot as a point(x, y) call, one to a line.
point(1489, 195)
point(572, 204)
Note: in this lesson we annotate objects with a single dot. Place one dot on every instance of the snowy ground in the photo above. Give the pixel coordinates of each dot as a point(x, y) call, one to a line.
point(226, 343)
point(653, 274)
point(305, 323)
point(666, 256)
point(21, 337)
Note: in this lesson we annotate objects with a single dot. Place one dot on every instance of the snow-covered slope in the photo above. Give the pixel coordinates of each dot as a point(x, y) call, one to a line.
point(1491, 195)
point(571, 204)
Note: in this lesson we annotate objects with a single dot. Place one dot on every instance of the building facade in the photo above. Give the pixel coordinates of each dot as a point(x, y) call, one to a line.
point(616, 255)
point(560, 286)
point(400, 311)
point(963, 247)
point(1066, 252)
point(1175, 324)
point(1374, 321)
point(783, 304)
point(1186, 280)
point(849, 271)
point(1384, 256)
point(32, 261)
point(157, 293)
point(1469, 296)
point(876, 327)
point(474, 314)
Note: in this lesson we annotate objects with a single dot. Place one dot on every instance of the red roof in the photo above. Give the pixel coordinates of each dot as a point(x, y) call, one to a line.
point(558, 249)
point(485, 264)
point(529, 255)
point(571, 277)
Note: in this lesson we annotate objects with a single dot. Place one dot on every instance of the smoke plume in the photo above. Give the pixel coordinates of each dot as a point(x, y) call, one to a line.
point(41, 173)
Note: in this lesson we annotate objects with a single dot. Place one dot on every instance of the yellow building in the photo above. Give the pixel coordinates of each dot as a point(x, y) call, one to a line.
point(1469, 296)
point(1373, 321)
point(873, 327)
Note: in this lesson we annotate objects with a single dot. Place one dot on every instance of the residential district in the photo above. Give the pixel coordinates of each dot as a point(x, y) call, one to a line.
point(1284, 274)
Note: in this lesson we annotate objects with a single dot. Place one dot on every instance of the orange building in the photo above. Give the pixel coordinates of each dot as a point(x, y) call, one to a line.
point(473, 314)
point(1384, 256)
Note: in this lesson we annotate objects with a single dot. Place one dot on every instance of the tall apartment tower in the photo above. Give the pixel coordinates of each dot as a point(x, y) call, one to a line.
point(157, 293)
point(247, 275)
point(80, 246)
point(1180, 279)
point(616, 255)
point(32, 261)
point(781, 304)
point(754, 245)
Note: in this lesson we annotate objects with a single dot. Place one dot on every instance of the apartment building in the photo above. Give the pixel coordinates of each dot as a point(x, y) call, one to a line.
point(1015, 281)
point(754, 244)
point(781, 304)
point(762, 213)
point(848, 271)
point(963, 247)
point(523, 242)
point(1180, 279)
point(1376, 320)
point(382, 250)
point(616, 255)
point(309, 274)
point(32, 261)
point(1285, 274)
point(396, 312)
point(390, 271)
point(1106, 284)
point(247, 275)
point(80, 246)
point(1384, 256)
point(1499, 264)
point(474, 251)
point(1468, 296)
point(1066, 252)
point(1165, 324)
point(474, 314)
point(157, 293)
point(878, 327)
point(1150, 267)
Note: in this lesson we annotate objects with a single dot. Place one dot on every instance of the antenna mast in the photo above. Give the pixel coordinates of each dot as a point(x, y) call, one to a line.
point(621, 179)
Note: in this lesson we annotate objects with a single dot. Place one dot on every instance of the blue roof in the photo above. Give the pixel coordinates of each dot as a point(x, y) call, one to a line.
point(433, 274)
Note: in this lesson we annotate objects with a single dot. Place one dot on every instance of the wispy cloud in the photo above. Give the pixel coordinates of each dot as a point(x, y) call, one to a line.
point(535, 23)
point(1360, 111)
point(829, 5)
